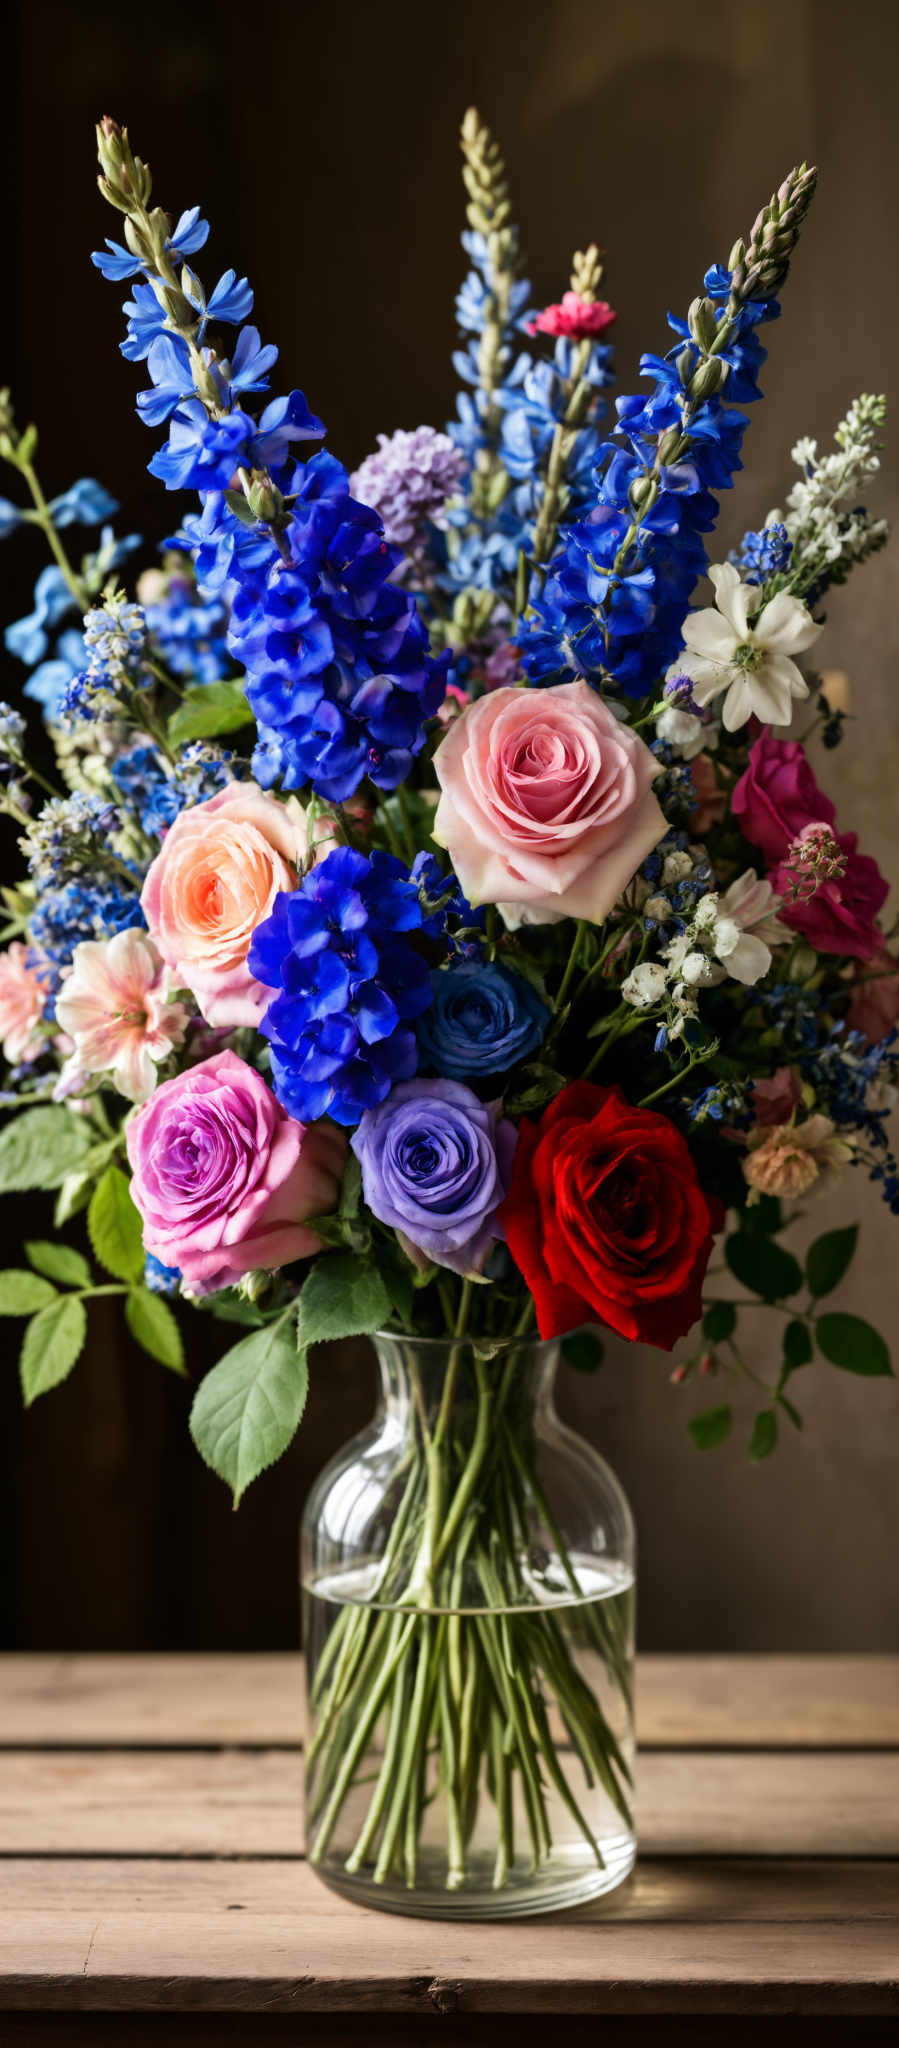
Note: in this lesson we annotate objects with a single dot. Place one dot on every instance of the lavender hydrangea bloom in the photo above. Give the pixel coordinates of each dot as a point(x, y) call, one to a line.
point(408, 480)
point(436, 1164)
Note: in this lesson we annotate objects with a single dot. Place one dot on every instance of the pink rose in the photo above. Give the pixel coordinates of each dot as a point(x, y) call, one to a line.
point(546, 802)
point(774, 1100)
point(22, 999)
point(874, 1003)
point(224, 1179)
point(778, 795)
point(221, 865)
point(775, 800)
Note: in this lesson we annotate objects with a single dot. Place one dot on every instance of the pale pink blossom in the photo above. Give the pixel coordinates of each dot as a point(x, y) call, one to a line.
point(547, 804)
point(711, 798)
point(793, 1158)
point(874, 1002)
point(22, 1000)
point(114, 1006)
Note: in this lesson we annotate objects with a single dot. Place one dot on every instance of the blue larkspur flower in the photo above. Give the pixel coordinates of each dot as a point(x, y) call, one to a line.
point(350, 985)
point(484, 1019)
point(619, 589)
point(763, 554)
point(159, 1278)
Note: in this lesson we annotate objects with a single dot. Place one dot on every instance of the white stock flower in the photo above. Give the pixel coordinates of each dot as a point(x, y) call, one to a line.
point(644, 985)
point(751, 663)
point(683, 732)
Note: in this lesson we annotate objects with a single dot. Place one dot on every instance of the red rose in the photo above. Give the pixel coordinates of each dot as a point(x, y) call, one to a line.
point(606, 1220)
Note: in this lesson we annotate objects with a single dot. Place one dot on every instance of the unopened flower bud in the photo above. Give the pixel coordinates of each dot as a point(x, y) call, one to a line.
point(708, 1362)
point(678, 1376)
point(707, 380)
point(702, 321)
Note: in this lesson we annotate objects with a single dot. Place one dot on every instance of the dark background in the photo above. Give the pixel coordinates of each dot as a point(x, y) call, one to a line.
point(321, 139)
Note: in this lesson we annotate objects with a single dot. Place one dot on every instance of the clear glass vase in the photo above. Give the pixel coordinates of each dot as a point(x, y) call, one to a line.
point(468, 1581)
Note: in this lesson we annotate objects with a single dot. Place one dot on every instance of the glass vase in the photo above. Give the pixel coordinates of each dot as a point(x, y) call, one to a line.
point(468, 1581)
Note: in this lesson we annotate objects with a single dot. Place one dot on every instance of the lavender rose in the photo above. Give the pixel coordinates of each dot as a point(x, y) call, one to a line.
point(436, 1163)
point(223, 1179)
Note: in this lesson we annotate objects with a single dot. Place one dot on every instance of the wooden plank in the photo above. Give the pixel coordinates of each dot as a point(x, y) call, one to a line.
point(237, 1802)
point(171, 1701)
point(728, 1702)
point(378, 1962)
point(673, 1889)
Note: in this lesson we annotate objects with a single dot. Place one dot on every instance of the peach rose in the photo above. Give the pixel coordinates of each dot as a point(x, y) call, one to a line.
point(220, 867)
point(789, 1159)
point(546, 804)
point(22, 999)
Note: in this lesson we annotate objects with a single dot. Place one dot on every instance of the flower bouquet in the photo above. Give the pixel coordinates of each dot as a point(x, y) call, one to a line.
point(432, 928)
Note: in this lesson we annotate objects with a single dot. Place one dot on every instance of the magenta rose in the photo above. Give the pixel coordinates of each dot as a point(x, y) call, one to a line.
point(775, 800)
point(547, 805)
point(224, 1179)
point(778, 795)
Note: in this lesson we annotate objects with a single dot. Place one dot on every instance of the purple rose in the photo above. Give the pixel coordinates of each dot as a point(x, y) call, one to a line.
point(436, 1163)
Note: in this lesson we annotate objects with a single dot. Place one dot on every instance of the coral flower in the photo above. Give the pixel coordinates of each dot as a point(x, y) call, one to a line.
point(114, 1006)
point(575, 318)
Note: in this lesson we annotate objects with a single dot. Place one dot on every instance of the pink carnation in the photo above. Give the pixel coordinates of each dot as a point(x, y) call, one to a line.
point(22, 999)
point(547, 805)
point(224, 1179)
point(776, 800)
point(575, 318)
point(221, 866)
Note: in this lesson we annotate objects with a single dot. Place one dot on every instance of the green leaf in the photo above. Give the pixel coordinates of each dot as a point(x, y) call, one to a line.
point(829, 1258)
point(22, 1294)
point(583, 1350)
point(209, 709)
point(762, 1266)
point(789, 1410)
point(398, 1282)
point(151, 1321)
point(41, 1146)
point(719, 1321)
point(343, 1296)
point(114, 1227)
point(60, 1262)
point(247, 1409)
point(52, 1342)
point(763, 1218)
point(73, 1196)
point(850, 1342)
point(351, 1189)
point(711, 1427)
point(798, 1348)
point(764, 1435)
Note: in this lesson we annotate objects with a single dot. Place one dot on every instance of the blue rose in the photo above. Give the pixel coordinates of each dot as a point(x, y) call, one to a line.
point(484, 1019)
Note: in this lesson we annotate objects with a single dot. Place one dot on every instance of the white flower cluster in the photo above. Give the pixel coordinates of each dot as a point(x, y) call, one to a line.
point(730, 935)
point(827, 526)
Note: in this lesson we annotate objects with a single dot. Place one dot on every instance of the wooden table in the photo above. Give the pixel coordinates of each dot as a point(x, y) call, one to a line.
point(152, 1884)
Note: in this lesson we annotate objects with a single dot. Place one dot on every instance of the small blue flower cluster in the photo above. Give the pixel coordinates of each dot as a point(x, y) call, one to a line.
point(339, 674)
point(157, 792)
point(79, 910)
point(842, 1067)
point(29, 639)
point(616, 599)
point(763, 554)
point(159, 1278)
point(337, 950)
point(187, 630)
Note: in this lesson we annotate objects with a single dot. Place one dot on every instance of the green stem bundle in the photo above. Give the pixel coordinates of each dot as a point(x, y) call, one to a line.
point(449, 1679)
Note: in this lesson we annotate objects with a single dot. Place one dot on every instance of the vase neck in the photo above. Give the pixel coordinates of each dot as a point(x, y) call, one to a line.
point(423, 1379)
